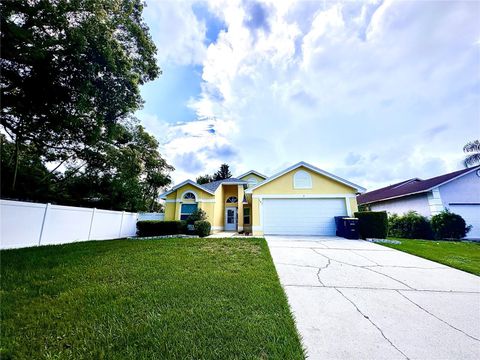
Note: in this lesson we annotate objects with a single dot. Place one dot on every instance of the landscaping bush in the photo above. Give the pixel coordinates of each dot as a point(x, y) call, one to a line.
point(447, 225)
point(411, 225)
point(372, 224)
point(197, 215)
point(158, 228)
point(202, 228)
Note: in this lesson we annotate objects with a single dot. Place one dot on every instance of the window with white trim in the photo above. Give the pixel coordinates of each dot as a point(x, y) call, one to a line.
point(187, 210)
point(302, 180)
point(246, 216)
point(232, 200)
point(189, 196)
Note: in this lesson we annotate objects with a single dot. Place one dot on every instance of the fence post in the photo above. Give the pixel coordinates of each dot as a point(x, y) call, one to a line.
point(47, 206)
point(121, 224)
point(91, 223)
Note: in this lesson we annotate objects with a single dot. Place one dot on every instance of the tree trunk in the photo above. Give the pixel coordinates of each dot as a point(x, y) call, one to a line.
point(16, 159)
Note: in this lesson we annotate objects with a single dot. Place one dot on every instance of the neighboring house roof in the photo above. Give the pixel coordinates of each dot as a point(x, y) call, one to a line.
point(312, 168)
point(208, 187)
point(212, 186)
point(411, 186)
point(252, 172)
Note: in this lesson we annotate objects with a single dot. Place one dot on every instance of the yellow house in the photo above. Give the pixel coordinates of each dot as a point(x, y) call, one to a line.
point(300, 200)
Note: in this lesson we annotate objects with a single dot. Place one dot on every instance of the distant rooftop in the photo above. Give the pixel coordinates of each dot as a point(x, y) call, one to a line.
point(409, 187)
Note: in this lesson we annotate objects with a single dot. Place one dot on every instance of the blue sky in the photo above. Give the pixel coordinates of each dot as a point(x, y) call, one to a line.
point(374, 91)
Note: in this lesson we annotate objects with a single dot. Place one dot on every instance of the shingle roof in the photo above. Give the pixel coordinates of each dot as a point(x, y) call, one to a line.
point(212, 186)
point(411, 186)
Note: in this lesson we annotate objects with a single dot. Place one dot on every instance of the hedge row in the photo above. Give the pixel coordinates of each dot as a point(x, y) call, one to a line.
point(159, 228)
point(156, 227)
point(411, 225)
point(372, 224)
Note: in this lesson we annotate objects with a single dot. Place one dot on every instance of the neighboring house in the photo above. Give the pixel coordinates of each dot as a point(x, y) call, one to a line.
point(458, 192)
point(300, 200)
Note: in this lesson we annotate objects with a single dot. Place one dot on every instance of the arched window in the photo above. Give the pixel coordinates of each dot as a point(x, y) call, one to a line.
point(302, 180)
point(189, 196)
point(251, 182)
point(232, 200)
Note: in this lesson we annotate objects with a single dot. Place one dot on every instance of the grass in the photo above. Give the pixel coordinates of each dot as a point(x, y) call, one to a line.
point(145, 299)
point(460, 255)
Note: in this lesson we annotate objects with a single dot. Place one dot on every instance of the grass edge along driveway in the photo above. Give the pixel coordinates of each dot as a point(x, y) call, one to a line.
point(143, 299)
point(457, 254)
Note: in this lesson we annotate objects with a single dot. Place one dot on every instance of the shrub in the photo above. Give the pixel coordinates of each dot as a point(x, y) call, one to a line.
point(447, 225)
point(158, 228)
point(372, 224)
point(410, 225)
point(202, 228)
point(197, 215)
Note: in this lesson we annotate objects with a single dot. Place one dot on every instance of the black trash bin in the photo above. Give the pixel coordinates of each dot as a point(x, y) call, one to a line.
point(347, 227)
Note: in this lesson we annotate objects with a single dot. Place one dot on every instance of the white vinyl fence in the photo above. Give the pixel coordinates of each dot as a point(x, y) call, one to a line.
point(151, 216)
point(30, 224)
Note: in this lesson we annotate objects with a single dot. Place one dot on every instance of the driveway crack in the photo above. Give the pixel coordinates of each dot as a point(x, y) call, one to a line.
point(436, 317)
point(376, 326)
point(366, 258)
point(364, 267)
point(320, 269)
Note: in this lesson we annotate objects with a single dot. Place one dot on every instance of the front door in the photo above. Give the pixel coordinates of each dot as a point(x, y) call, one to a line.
point(230, 218)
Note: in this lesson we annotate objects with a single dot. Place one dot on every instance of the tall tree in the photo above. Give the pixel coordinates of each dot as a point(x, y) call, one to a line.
point(222, 173)
point(472, 149)
point(70, 72)
point(204, 179)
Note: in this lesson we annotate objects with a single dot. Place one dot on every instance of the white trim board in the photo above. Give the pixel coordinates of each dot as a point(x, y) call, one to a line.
point(312, 168)
point(198, 200)
point(190, 182)
point(302, 196)
point(252, 172)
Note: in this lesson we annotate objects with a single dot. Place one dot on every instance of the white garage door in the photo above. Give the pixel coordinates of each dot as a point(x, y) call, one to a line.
point(301, 216)
point(471, 215)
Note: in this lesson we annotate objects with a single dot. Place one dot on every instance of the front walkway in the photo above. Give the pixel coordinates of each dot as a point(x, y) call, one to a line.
point(356, 300)
point(227, 234)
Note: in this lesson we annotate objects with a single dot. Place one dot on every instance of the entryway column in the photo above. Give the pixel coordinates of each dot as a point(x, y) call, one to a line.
point(240, 196)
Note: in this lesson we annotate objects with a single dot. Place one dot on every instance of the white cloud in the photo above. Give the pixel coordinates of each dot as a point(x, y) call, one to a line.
point(176, 31)
point(393, 84)
point(193, 148)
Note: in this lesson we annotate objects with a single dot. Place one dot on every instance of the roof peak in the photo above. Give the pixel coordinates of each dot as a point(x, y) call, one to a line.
point(252, 172)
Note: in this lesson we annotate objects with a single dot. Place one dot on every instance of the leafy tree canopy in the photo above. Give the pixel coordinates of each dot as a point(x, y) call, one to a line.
point(222, 173)
point(204, 179)
point(472, 149)
point(70, 77)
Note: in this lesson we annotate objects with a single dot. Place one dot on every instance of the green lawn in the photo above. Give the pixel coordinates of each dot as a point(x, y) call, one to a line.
point(461, 255)
point(145, 299)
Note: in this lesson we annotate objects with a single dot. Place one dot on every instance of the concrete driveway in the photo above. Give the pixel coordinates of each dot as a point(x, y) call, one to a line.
point(356, 300)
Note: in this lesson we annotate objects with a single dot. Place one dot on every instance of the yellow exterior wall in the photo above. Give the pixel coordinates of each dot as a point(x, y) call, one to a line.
point(169, 211)
point(321, 185)
point(353, 204)
point(217, 224)
point(258, 178)
point(172, 209)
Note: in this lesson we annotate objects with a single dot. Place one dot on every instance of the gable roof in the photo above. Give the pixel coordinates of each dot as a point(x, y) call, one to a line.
point(312, 168)
point(186, 182)
point(411, 186)
point(252, 172)
point(208, 187)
